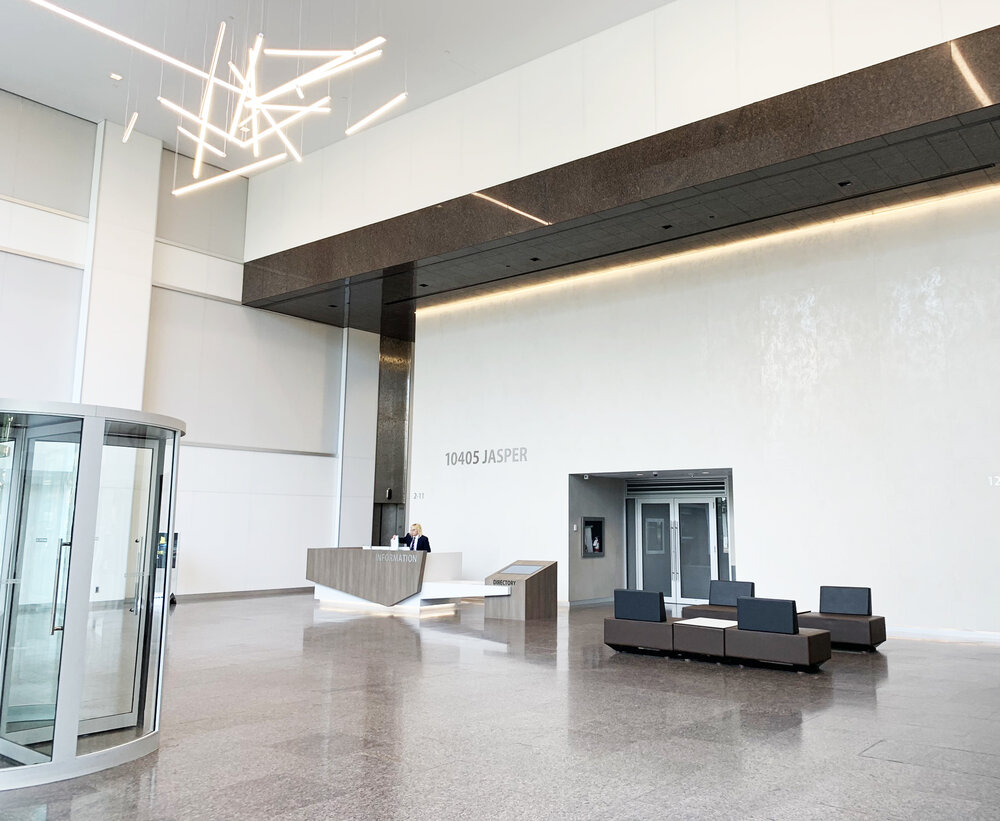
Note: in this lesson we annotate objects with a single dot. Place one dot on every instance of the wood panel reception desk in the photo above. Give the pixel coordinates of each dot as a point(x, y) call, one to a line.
point(382, 576)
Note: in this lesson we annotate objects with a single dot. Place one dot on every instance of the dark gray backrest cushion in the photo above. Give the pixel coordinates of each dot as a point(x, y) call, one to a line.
point(726, 593)
point(767, 615)
point(639, 605)
point(847, 601)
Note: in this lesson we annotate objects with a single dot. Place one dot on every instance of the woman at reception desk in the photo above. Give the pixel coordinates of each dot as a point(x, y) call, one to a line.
point(415, 539)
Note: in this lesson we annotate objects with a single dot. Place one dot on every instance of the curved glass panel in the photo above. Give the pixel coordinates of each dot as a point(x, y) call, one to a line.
point(40, 463)
point(127, 587)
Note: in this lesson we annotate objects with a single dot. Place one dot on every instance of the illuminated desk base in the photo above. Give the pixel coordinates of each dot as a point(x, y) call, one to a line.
point(435, 598)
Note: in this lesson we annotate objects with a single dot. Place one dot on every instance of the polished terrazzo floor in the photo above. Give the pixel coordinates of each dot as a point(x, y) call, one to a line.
point(276, 709)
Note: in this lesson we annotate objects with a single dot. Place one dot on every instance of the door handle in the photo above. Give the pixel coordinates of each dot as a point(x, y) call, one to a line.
point(55, 588)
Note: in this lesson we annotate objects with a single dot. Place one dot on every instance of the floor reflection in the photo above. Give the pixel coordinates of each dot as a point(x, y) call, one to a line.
point(274, 708)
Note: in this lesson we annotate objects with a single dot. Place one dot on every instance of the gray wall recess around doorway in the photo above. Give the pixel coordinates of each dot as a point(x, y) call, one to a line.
point(595, 579)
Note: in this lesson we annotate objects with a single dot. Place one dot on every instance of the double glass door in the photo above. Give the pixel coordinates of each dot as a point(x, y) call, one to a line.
point(676, 547)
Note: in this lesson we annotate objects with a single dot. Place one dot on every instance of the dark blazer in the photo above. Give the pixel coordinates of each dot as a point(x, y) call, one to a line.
point(422, 542)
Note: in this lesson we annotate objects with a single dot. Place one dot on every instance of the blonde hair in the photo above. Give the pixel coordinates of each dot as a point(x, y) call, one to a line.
point(415, 526)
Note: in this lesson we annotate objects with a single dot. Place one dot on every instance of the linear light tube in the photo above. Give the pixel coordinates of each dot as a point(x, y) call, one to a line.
point(281, 135)
point(307, 52)
point(130, 126)
point(280, 107)
point(510, 208)
point(206, 103)
point(971, 80)
point(197, 120)
point(362, 54)
point(378, 112)
point(245, 82)
point(298, 115)
point(121, 38)
point(204, 144)
point(228, 175)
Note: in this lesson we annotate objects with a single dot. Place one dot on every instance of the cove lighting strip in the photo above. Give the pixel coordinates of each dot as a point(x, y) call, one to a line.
point(253, 108)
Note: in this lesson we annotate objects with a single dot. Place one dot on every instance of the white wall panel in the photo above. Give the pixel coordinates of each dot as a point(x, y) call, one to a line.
point(242, 377)
point(246, 519)
point(689, 85)
point(114, 323)
point(39, 306)
point(884, 30)
point(710, 56)
point(618, 94)
point(185, 270)
point(845, 373)
point(212, 220)
point(551, 112)
point(46, 156)
point(41, 234)
point(491, 146)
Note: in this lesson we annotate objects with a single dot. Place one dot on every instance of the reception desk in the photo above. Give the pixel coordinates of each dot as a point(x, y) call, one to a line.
point(407, 581)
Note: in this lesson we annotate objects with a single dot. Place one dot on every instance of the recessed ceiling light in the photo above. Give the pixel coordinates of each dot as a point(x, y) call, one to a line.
point(115, 77)
point(535, 259)
point(845, 183)
point(667, 227)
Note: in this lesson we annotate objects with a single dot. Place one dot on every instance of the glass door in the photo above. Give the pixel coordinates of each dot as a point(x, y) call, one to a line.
point(122, 587)
point(42, 469)
point(677, 547)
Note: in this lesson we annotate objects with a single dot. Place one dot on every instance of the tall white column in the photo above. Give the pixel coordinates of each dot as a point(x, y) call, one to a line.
point(114, 306)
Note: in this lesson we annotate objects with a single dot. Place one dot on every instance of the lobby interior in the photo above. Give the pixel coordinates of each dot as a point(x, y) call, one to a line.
point(599, 264)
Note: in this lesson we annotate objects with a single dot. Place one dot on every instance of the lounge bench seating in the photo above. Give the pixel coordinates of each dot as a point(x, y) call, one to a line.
point(769, 630)
point(722, 598)
point(765, 630)
point(640, 623)
point(847, 613)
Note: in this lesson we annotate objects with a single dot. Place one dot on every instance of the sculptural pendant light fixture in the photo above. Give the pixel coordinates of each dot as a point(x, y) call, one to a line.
point(258, 115)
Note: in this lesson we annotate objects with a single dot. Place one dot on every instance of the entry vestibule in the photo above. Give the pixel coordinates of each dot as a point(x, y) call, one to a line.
point(666, 530)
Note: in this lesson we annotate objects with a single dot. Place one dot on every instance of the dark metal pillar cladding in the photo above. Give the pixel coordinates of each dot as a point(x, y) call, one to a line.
point(394, 366)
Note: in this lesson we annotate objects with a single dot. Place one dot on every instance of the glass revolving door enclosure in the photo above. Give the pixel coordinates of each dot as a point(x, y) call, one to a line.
point(86, 501)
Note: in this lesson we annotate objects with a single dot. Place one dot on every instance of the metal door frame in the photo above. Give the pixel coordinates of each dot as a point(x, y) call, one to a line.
point(24, 441)
point(145, 581)
point(675, 541)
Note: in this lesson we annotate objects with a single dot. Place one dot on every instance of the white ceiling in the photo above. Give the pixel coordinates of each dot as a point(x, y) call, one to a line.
point(434, 48)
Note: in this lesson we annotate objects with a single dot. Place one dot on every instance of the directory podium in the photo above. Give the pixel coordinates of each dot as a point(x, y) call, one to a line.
point(532, 587)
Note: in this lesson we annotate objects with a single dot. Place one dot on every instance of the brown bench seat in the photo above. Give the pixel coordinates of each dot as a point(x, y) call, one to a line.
point(768, 630)
point(847, 613)
point(722, 597)
point(640, 622)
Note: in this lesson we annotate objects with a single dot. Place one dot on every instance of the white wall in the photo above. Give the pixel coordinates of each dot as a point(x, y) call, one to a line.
point(46, 156)
point(46, 163)
point(260, 393)
point(686, 61)
point(114, 316)
point(39, 307)
point(847, 373)
point(245, 519)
